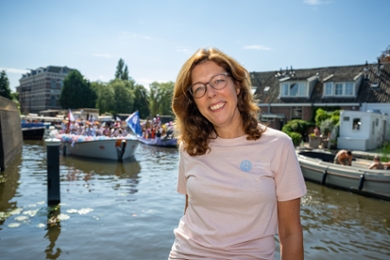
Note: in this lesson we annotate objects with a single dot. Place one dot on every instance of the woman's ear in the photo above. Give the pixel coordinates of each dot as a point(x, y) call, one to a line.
point(238, 90)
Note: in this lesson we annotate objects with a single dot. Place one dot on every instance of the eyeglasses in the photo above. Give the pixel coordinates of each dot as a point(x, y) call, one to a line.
point(218, 82)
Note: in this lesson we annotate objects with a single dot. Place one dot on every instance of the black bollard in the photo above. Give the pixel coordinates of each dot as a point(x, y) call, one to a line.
point(53, 171)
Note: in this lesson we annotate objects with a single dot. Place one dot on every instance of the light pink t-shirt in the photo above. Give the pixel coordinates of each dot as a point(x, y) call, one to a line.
point(232, 197)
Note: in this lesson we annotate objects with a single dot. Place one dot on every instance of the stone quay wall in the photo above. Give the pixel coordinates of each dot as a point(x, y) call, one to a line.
point(11, 137)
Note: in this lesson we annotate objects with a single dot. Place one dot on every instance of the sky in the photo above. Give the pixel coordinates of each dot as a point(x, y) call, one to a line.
point(156, 37)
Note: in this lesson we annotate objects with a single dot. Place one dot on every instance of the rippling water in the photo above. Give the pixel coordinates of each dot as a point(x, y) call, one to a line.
point(128, 211)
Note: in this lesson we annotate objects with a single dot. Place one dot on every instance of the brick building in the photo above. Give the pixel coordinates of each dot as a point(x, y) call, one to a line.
point(40, 89)
point(295, 94)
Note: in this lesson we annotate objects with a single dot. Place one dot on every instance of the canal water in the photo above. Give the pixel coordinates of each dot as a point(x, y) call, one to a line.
point(128, 210)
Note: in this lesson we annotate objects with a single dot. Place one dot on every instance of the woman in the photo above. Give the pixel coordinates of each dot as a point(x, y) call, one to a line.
point(241, 179)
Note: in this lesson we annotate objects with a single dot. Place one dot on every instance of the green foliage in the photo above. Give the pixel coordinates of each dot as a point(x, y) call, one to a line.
point(119, 69)
point(296, 125)
point(296, 138)
point(335, 117)
point(321, 115)
point(122, 71)
point(123, 97)
point(141, 101)
point(161, 98)
point(5, 91)
point(77, 92)
point(327, 126)
point(105, 101)
point(385, 150)
point(125, 75)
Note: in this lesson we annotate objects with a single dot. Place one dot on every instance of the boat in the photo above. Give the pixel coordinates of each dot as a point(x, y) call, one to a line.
point(99, 147)
point(33, 131)
point(318, 167)
point(158, 141)
point(133, 122)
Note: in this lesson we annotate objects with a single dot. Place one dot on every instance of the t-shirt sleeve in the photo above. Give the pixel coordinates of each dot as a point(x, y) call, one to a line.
point(288, 175)
point(181, 179)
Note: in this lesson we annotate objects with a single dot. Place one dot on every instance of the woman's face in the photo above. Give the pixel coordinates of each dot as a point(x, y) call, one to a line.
point(217, 106)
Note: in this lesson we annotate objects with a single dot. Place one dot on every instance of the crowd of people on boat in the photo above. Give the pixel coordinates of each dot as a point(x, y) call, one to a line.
point(94, 128)
point(155, 128)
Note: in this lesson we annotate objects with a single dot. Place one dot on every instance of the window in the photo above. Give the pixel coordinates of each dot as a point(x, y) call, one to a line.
point(296, 113)
point(328, 89)
point(53, 83)
point(356, 124)
point(339, 89)
point(346, 118)
point(349, 89)
point(285, 90)
point(294, 89)
point(52, 101)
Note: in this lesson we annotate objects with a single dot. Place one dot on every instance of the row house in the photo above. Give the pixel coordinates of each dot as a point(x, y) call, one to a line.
point(40, 89)
point(296, 93)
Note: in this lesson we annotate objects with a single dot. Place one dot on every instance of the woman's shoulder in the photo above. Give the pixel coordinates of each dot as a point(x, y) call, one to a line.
point(273, 133)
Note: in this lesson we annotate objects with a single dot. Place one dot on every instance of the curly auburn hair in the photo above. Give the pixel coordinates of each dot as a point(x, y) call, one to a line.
point(193, 130)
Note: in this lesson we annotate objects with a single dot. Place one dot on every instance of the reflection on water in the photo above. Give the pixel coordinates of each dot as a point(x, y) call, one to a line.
point(129, 210)
point(53, 232)
point(339, 222)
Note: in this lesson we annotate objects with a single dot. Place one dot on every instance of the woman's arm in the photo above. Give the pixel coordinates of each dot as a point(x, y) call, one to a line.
point(290, 230)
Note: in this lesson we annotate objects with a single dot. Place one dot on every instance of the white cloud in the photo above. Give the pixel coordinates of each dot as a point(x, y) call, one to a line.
point(257, 47)
point(136, 35)
point(100, 55)
point(16, 71)
point(316, 2)
point(182, 49)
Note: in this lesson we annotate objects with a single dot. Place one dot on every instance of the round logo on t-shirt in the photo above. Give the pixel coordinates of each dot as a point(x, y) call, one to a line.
point(246, 166)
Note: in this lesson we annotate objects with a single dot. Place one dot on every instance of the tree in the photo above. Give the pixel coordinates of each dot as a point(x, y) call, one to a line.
point(77, 92)
point(141, 102)
point(160, 98)
point(123, 97)
point(105, 97)
point(122, 71)
point(5, 91)
point(385, 56)
point(119, 69)
point(125, 75)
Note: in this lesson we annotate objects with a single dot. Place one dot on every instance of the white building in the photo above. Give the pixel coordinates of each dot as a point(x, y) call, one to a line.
point(361, 130)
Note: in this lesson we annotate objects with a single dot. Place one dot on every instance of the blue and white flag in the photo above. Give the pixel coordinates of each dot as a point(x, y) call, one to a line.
point(134, 123)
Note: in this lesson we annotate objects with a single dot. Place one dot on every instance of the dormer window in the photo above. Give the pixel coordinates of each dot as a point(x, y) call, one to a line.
point(294, 89)
point(339, 89)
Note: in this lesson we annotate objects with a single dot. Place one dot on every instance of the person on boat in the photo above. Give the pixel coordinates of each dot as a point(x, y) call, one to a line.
point(64, 126)
point(316, 131)
point(98, 129)
point(89, 131)
point(376, 164)
point(242, 180)
point(107, 131)
point(343, 157)
point(169, 134)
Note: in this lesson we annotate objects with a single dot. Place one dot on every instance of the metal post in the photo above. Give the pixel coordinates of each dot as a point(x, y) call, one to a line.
point(53, 171)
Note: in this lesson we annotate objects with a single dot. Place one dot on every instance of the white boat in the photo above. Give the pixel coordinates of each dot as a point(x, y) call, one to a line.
point(100, 147)
point(318, 167)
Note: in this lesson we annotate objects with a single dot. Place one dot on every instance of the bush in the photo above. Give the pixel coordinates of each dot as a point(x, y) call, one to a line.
point(296, 138)
point(321, 115)
point(326, 126)
point(297, 125)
